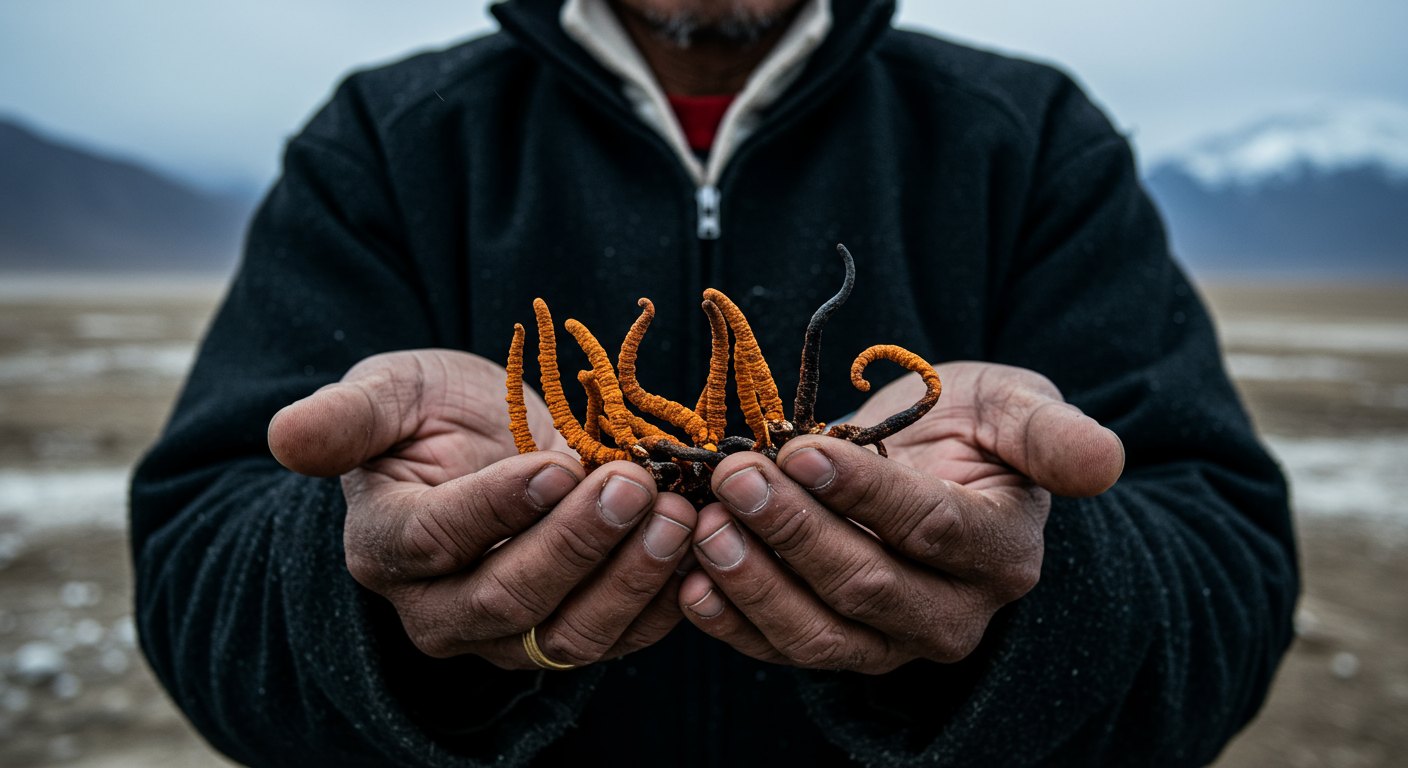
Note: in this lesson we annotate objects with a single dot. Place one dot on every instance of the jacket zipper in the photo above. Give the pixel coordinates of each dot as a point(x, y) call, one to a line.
point(707, 200)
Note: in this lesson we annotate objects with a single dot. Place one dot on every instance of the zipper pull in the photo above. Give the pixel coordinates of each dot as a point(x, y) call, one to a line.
point(707, 198)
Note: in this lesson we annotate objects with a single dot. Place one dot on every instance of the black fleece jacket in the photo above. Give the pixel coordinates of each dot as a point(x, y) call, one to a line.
point(994, 214)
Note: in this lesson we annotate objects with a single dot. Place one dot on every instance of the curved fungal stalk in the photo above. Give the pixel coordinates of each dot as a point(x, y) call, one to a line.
point(641, 428)
point(676, 466)
point(748, 399)
point(592, 422)
point(735, 444)
point(597, 422)
point(932, 389)
point(664, 446)
point(613, 402)
point(757, 392)
point(712, 407)
point(804, 410)
point(659, 407)
point(591, 451)
point(517, 410)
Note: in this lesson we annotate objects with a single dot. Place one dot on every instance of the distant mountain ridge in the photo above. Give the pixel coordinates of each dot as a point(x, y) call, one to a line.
point(1319, 193)
point(1319, 140)
point(63, 209)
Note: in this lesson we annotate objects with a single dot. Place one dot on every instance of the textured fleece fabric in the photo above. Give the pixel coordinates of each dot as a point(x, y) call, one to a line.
point(994, 214)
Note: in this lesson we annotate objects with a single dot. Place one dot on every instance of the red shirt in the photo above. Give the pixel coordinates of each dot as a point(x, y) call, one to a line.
point(700, 116)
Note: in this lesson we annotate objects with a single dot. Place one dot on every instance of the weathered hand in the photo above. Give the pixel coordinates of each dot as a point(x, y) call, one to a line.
point(434, 487)
point(952, 525)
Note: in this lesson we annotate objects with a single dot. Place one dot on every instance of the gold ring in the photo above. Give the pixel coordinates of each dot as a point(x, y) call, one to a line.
point(530, 644)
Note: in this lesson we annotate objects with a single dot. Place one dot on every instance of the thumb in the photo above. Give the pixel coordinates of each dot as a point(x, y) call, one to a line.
point(337, 428)
point(1069, 453)
point(1047, 439)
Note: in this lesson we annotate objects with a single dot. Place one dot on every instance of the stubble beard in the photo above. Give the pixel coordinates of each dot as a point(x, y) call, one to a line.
point(735, 25)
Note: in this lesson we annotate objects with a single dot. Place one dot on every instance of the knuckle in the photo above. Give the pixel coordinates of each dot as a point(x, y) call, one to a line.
point(635, 588)
point(898, 507)
point(366, 556)
point(427, 540)
point(873, 494)
point(505, 606)
point(797, 536)
point(756, 593)
point(869, 591)
point(959, 644)
point(488, 509)
point(431, 640)
point(366, 570)
point(818, 647)
point(930, 533)
point(646, 632)
point(959, 636)
point(575, 642)
point(1021, 579)
point(577, 550)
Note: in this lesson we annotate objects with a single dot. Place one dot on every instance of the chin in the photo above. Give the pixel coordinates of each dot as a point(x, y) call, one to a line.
point(689, 21)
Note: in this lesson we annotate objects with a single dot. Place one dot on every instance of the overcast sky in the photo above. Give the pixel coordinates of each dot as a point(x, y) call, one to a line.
point(209, 89)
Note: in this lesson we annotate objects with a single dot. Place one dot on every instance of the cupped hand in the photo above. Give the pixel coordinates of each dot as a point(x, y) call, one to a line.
point(837, 558)
point(473, 543)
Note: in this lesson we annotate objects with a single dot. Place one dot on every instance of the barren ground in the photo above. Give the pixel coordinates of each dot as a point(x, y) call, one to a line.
point(88, 372)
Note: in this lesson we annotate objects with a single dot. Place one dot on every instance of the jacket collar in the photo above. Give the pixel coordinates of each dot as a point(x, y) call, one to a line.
point(595, 27)
point(856, 24)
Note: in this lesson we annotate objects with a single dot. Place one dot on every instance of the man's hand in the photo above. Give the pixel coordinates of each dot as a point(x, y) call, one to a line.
point(883, 561)
point(434, 487)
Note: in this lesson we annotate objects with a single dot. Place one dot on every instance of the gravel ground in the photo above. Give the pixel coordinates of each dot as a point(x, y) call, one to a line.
point(88, 370)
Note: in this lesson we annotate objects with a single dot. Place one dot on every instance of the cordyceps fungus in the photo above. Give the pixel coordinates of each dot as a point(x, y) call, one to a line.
point(677, 466)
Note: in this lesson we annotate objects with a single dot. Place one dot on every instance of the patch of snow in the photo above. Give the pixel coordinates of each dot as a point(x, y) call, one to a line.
point(1293, 368)
point(39, 661)
point(1345, 665)
point(127, 288)
point(1325, 138)
point(81, 594)
point(115, 661)
point(1288, 333)
point(43, 500)
point(171, 360)
point(107, 325)
point(1360, 477)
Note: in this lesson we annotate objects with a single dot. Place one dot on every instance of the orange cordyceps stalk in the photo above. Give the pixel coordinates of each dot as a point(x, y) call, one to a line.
point(756, 390)
point(613, 403)
point(932, 389)
point(594, 411)
point(711, 406)
point(675, 465)
point(659, 407)
point(591, 451)
point(517, 410)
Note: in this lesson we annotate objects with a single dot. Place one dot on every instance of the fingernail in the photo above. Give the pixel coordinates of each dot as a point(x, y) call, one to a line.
point(664, 536)
point(725, 548)
point(689, 563)
point(811, 468)
point(550, 485)
point(622, 500)
point(709, 606)
point(746, 491)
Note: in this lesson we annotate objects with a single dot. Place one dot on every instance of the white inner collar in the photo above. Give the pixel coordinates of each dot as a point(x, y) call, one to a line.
point(595, 27)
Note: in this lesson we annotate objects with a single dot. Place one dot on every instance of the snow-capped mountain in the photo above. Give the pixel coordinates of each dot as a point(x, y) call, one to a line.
point(1317, 193)
point(1324, 139)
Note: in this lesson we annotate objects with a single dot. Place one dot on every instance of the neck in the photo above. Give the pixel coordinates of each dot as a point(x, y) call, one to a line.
point(706, 66)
